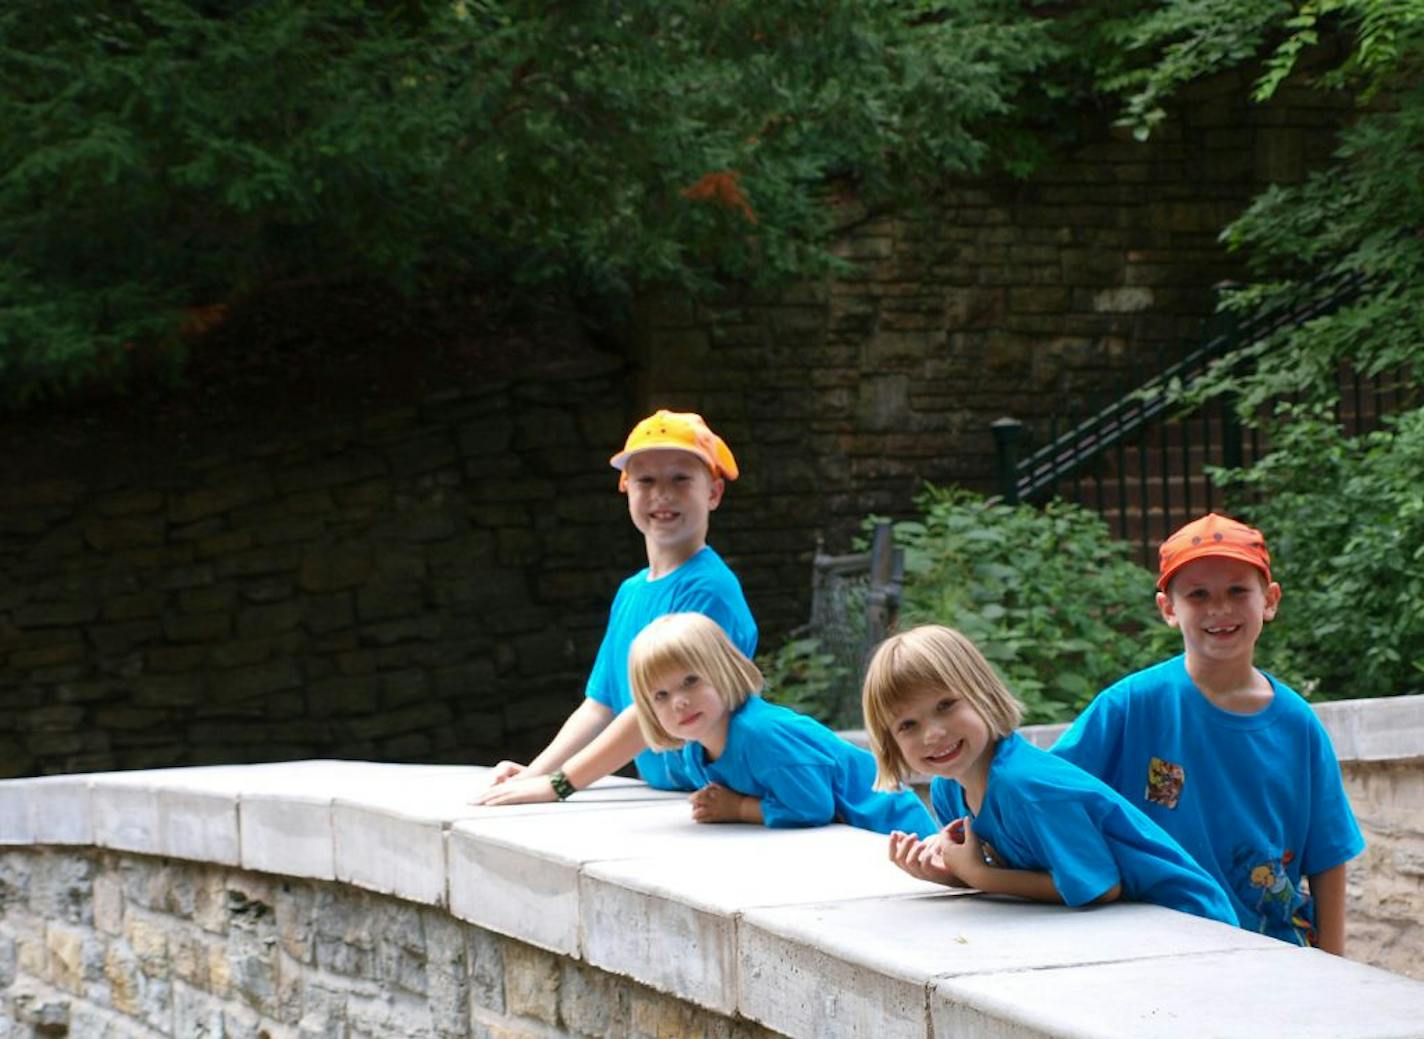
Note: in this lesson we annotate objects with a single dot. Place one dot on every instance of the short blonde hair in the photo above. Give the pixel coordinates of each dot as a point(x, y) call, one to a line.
point(695, 643)
point(928, 658)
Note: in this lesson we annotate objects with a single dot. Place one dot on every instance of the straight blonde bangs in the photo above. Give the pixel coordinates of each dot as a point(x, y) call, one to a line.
point(689, 642)
point(930, 658)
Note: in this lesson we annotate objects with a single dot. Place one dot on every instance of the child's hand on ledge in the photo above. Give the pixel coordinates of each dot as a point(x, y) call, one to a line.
point(717, 804)
point(526, 789)
point(504, 770)
point(926, 859)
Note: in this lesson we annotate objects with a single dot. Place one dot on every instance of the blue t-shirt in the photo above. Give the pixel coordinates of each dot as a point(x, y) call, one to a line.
point(803, 773)
point(704, 584)
point(1042, 813)
point(1257, 799)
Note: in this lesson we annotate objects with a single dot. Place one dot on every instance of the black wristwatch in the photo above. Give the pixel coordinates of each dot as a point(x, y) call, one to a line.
point(562, 787)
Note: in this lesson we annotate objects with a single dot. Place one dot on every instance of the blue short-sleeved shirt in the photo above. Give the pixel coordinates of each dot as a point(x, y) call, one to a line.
point(703, 584)
point(1257, 799)
point(1042, 813)
point(803, 773)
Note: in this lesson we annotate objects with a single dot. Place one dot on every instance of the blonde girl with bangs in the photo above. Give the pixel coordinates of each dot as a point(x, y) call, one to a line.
point(1017, 820)
point(750, 760)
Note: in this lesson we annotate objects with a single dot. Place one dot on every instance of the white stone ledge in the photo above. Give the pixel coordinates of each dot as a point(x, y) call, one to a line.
point(1388, 728)
point(839, 968)
point(1269, 991)
point(811, 932)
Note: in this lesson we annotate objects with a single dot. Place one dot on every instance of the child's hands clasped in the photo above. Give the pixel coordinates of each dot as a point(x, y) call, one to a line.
point(717, 804)
point(949, 857)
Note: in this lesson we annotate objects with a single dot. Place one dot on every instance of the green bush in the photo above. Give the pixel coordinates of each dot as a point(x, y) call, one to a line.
point(805, 674)
point(1048, 596)
point(1344, 519)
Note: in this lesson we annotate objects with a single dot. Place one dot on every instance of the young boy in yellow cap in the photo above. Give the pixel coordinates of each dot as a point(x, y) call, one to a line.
point(1224, 757)
point(674, 471)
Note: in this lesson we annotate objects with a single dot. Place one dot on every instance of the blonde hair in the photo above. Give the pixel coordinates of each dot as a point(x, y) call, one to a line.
point(691, 642)
point(928, 658)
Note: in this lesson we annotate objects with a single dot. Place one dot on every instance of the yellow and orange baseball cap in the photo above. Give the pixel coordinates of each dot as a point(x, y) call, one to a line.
point(678, 431)
point(1212, 535)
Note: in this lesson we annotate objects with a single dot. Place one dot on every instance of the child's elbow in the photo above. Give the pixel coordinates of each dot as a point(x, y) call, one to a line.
point(1112, 894)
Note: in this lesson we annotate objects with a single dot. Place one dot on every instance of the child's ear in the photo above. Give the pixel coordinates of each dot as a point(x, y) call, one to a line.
point(1165, 608)
point(1273, 601)
point(714, 493)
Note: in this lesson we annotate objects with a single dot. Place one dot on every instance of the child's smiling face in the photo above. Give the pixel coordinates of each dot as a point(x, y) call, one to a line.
point(671, 495)
point(1220, 605)
point(939, 733)
point(690, 708)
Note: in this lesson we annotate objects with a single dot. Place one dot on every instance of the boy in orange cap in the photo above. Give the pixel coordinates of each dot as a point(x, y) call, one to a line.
point(1224, 757)
point(674, 470)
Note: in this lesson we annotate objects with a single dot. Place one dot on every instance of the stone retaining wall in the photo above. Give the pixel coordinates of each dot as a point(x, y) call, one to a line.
point(1004, 298)
point(1386, 883)
point(102, 945)
point(418, 584)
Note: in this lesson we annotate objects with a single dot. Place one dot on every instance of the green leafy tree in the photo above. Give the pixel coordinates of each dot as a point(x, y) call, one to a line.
point(163, 159)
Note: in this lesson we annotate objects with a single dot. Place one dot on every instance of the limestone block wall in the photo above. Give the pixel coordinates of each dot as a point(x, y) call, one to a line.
point(1386, 884)
point(98, 943)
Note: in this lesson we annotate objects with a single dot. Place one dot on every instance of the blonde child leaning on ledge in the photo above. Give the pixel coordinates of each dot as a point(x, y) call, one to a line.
point(752, 761)
point(1018, 821)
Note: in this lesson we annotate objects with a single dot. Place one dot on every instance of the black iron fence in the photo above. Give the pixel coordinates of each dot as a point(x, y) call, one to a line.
point(1140, 460)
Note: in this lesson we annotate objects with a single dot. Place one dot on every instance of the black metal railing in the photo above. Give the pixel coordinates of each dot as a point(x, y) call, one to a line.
point(1140, 459)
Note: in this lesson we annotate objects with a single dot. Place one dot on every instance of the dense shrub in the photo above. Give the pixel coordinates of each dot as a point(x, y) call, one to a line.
point(1344, 518)
point(1048, 596)
point(804, 672)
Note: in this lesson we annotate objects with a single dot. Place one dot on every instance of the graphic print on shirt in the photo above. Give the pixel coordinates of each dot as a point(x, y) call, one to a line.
point(1164, 782)
point(1268, 889)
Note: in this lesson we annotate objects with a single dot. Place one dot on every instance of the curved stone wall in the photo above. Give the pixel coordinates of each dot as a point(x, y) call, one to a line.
point(100, 943)
point(331, 898)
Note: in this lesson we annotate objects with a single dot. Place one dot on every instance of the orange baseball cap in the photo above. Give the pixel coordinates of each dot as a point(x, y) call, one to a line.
point(1212, 535)
point(678, 431)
